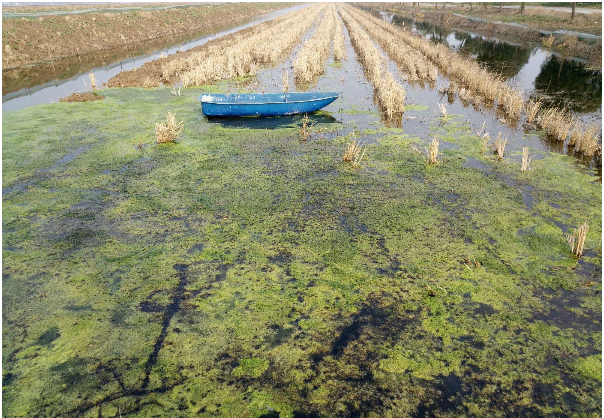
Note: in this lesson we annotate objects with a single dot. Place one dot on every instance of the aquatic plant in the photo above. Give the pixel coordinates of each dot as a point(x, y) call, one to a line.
point(354, 153)
point(576, 239)
point(433, 150)
point(526, 161)
point(168, 131)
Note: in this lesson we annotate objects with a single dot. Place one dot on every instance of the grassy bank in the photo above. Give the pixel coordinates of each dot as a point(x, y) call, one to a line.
point(242, 272)
point(28, 41)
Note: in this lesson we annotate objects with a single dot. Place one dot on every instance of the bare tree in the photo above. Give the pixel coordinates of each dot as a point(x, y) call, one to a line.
point(522, 7)
point(470, 6)
point(500, 6)
point(572, 16)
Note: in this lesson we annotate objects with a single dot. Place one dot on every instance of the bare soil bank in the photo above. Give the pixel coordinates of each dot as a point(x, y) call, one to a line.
point(82, 97)
point(565, 45)
point(30, 41)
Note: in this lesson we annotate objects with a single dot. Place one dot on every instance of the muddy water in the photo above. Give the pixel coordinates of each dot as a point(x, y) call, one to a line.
point(48, 82)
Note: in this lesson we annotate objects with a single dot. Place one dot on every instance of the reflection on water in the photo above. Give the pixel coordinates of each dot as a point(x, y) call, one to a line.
point(270, 122)
point(557, 81)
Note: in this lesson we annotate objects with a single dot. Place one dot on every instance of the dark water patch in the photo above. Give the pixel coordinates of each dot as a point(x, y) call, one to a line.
point(73, 371)
point(450, 390)
point(77, 308)
point(197, 248)
point(587, 269)
point(67, 158)
point(8, 379)
point(560, 315)
point(171, 309)
point(484, 309)
point(48, 337)
point(281, 334)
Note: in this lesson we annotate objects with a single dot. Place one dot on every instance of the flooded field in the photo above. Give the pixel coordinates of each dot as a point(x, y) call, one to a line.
point(246, 270)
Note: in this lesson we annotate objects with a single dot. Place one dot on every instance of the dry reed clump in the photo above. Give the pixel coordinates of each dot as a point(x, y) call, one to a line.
point(305, 128)
point(92, 81)
point(499, 146)
point(556, 123)
point(433, 150)
point(339, 47)
point(574, 137)
point(169, 130)
point(576, 240)
point(443, 109)
point(531, 109)
point(548, 42)
point(513, 103)
point(526, 161)
point(354, 153)
point(588, 142)
point(389, 92)
point(311, 57)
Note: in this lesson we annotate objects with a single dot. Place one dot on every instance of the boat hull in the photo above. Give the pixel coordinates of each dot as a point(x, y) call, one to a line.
point(271, 104)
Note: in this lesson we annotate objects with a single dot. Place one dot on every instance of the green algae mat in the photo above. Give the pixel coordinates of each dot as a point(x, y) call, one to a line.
point(240, 272)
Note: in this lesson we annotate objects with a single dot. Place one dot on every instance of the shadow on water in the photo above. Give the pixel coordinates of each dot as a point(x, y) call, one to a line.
point(270, 122)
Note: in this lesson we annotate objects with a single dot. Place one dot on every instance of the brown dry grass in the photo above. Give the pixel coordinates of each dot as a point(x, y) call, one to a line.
point(531, 109)
point(499, 146)
point(168, 131)
point(433, 150)
point(305, 128)
point(478, 86)
point(354, 153)
point(576, 240)
point(588, 141)
point(526, 161)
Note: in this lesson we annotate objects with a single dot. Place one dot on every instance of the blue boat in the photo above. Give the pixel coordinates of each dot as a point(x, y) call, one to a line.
point(264, 104)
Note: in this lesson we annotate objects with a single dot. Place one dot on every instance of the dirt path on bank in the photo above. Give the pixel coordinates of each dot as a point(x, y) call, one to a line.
point(49, 38)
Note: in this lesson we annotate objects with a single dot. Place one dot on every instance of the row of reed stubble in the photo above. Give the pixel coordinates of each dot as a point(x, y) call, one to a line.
point(389, 92)
point(311, 59)
point(410, 62)
point(558, 123)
